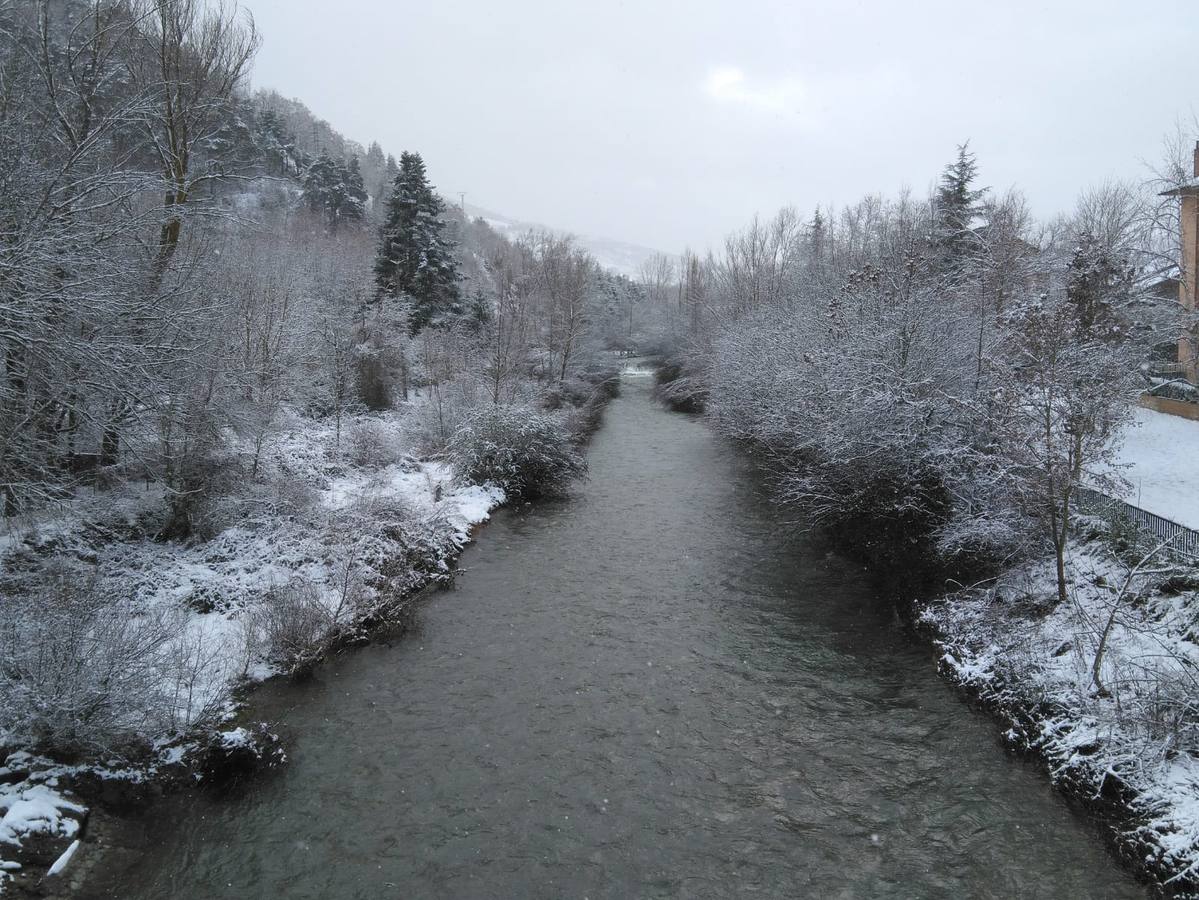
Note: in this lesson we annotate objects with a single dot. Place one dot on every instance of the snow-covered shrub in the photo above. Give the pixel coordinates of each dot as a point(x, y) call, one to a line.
point(198, 672)
point(80, 673)
point(582, 399)
point(291, 624)
point(526, 452)
point(370, 446)
point(679, 383)
point(435, 422)
point(293, 496)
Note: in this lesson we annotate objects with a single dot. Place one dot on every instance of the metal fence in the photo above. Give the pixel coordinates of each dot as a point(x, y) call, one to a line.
point(1184, 542)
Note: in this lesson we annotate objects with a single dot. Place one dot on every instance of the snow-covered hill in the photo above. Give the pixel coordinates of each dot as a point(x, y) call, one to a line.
point(620, 257)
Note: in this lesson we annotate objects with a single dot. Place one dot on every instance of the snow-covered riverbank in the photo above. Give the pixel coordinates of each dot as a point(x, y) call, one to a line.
point(1125, 742)
point(155, 638)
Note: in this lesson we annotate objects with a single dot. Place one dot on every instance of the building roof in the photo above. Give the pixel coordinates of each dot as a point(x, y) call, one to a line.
point(1187, 188)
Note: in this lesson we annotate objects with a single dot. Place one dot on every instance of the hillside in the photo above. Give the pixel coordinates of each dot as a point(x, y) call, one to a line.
point(619, 257)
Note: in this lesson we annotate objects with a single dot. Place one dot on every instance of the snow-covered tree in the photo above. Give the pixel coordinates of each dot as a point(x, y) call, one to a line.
point(415, 259)
point(1066, 388)
point(957, 204)
point(333, 190)
point(188, 59)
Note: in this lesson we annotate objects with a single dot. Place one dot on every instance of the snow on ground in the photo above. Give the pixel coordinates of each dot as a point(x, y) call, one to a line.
point(320, 520)
point(30, 810)
point(1160, 459)
point(1019, 648)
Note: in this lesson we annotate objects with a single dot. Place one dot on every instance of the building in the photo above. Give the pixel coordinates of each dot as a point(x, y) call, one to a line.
point(1188, 193)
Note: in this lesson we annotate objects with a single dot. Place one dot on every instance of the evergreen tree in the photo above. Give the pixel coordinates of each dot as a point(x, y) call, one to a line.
point(319, 183)
point(374, 157)
point(383, 185)
point(276, 143)
point(233, 146)
point(957, 206)
point(1099, 286)
point(352, 197)
point(479, 312)
point(415, 259)
point(334, 190)
point(374, 176)
point(816, 239)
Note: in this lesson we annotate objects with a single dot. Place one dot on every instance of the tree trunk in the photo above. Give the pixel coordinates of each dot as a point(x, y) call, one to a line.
point(110, 445)
point(1059, 550)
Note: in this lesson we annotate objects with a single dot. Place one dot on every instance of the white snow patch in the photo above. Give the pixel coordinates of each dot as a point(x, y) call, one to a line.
point(62, 861)
point(1160, 459)
point(35, 808)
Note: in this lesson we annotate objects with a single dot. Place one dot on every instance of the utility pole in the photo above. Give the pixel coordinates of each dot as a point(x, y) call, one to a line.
point(462, 200)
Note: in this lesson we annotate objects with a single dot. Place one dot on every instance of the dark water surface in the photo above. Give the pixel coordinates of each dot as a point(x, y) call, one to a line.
point(649, 691)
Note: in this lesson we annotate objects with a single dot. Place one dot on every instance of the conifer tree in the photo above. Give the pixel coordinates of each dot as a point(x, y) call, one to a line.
point(957, 206)
point(319, 183)
point(374, 157)
point(352, 198)
point(415, 259)
point(278, 145)
point(816, 238)
point(334, 190)
point(383, 186)
point(1099, 284)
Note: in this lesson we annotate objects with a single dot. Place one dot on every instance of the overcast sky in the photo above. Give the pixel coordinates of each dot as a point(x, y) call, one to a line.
point(669, 124)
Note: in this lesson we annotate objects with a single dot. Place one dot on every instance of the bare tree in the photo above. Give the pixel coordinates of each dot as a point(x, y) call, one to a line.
point(189, 56)
point(1067, 389)
point(564, 276)
point(75, 323)
point(507, 336)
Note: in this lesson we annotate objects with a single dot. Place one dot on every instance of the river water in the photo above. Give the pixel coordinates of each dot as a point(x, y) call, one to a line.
point(653, 690)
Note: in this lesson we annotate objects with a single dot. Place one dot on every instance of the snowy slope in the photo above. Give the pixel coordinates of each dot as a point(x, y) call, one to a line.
point(619, 257)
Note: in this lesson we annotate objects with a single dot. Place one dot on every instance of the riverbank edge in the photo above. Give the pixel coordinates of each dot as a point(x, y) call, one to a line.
point(211, 758)
point(1109, 804)
point(208, 756)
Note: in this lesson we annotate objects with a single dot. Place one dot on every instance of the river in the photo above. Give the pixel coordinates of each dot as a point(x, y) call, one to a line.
point(656, 689)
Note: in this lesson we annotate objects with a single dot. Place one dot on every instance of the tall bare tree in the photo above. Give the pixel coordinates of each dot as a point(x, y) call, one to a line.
point(190, 56)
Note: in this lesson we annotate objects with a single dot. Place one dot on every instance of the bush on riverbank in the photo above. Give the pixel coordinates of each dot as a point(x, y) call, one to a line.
point(527, 453)
point(678, 385)
point(111, 641)
point(81, 674)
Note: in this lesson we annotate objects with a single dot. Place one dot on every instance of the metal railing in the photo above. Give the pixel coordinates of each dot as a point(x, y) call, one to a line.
point(1184, 542)
point(1166, 369)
